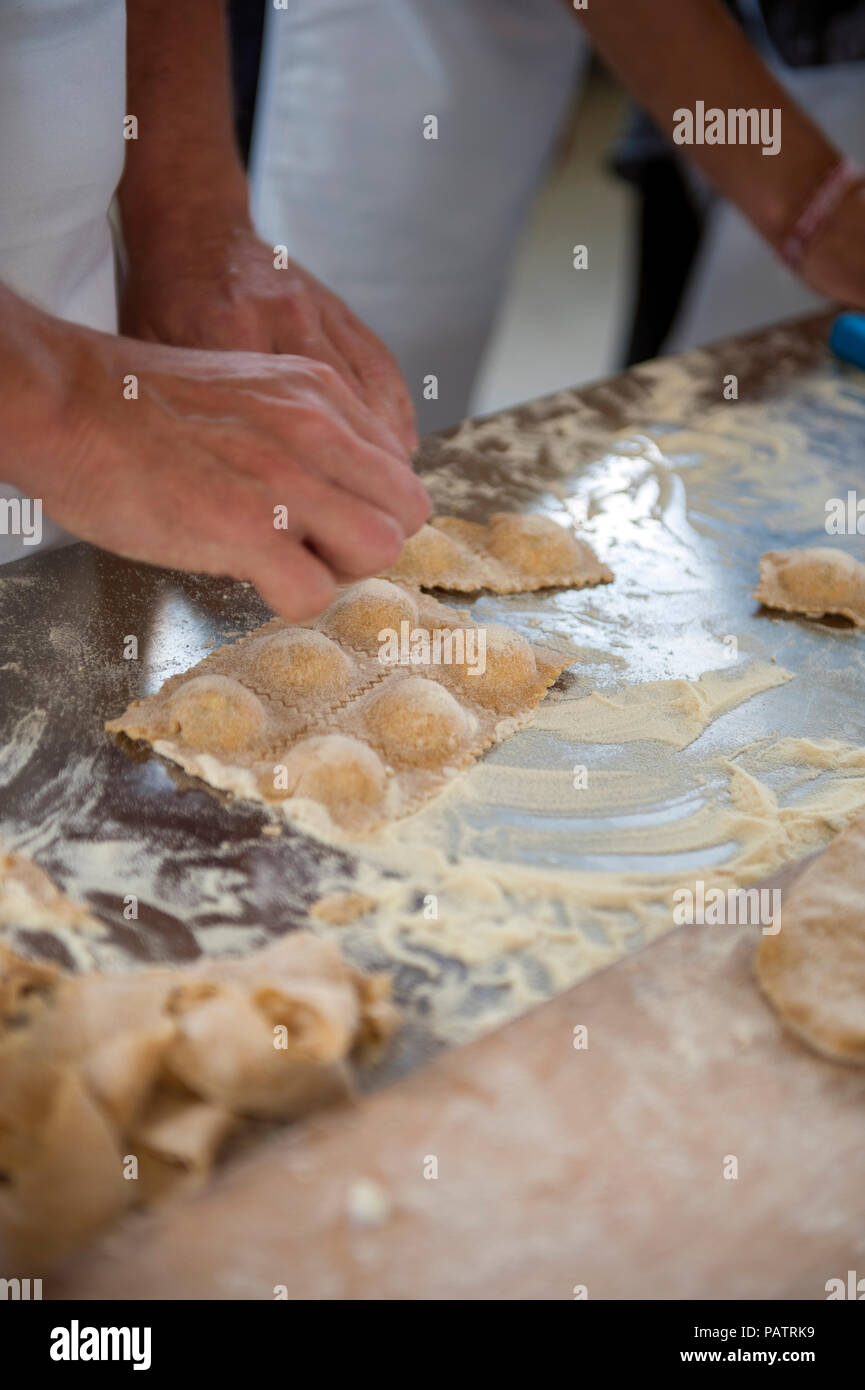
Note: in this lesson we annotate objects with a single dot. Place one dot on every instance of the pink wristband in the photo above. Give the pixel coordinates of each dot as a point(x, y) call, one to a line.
point(823, 201)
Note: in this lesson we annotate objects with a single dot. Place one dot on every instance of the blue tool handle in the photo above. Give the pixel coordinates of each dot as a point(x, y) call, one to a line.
point(847, 338)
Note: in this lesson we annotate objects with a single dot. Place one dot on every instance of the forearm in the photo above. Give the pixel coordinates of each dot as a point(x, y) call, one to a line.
point(672, 54)
point(183, 172)
point(35, 388)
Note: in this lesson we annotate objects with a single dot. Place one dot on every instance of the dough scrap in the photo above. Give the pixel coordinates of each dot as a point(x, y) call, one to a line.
point(673, 711)
point(815, 582)
point(514, 553)
point(341, 909)
point(31, 902)
point(161, 1064)
point(29, 897)
point(813, 969)
point(362, 714)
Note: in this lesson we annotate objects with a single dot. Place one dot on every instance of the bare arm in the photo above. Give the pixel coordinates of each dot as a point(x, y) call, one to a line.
point(183, 176)
point(672, 54)
point(199, 276)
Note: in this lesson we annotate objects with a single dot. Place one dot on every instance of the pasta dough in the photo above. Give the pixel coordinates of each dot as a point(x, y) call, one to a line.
point(814, 582)
point(515, 553)
point(117, 1089)
point(813, 970)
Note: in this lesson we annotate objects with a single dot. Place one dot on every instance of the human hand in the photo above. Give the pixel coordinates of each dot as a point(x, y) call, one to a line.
point(222, 290)
point(189, 473)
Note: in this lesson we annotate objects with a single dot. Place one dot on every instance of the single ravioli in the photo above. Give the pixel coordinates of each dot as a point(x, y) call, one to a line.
point(506, 670)
point(814, 582)
point(417, 721)
point(514, 553)
point(299, 661)
point(343, 774)
point(216, 713)
point(362, 613)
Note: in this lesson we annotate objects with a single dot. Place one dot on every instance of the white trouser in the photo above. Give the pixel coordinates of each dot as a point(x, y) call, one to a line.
point(62, 100)
point(415, 234)
point(738, 283)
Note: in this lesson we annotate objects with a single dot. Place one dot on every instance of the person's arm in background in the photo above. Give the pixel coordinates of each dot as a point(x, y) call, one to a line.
point(198, 275)
point(673, 53)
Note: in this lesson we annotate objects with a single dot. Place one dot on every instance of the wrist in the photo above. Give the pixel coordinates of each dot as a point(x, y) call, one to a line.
point(785, 201)
point(842, 181)
point(211, 213)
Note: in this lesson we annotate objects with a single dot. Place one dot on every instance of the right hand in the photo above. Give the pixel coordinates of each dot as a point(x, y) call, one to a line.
point(189, 474)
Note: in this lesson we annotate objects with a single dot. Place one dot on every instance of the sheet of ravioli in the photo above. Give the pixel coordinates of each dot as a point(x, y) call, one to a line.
point(365, 712)
point(514, 553)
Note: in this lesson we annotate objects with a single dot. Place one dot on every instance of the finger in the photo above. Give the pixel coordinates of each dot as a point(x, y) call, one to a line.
point(295, 583)
point(383, 387)
point(316, 345)
point(372, 365)
point(366, 472)
point(297, 445)
point(353, 538)
point(286, 439)
point(349, 534)
point(343, 537)
point(349, 391)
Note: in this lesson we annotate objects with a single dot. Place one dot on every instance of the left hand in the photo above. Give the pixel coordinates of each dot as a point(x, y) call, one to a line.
point(222, 291)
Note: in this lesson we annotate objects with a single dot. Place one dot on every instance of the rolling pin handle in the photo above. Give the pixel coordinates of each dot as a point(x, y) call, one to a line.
point(847, 339)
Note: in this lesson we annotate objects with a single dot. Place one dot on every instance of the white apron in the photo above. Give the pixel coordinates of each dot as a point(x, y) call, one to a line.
point(417, 235)
point(62, 100)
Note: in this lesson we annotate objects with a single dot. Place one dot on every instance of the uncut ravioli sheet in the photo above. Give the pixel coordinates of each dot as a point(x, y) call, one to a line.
point(310, 711)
